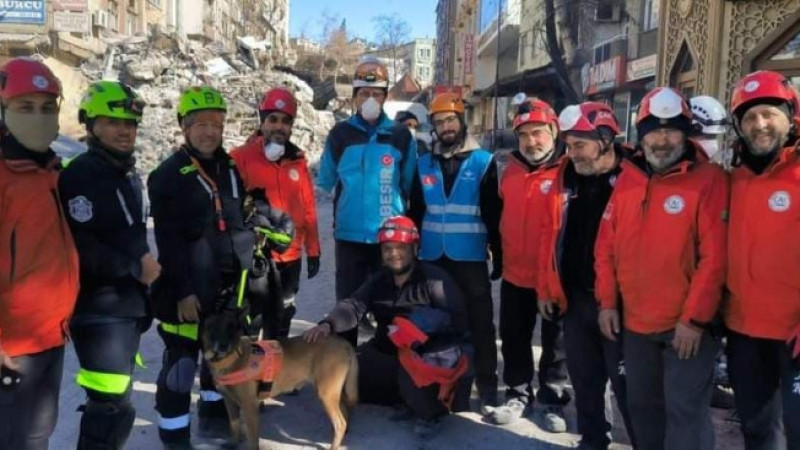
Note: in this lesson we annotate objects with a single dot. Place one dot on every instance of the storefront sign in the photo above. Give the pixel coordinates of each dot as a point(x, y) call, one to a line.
point(604, 76)
point(642, 68)
point(71, 5)
point(71, 22)
point(20, 11)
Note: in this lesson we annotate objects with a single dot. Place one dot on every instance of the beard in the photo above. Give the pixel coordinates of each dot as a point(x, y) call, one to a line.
point(278, 137)
point(657, 161)
point(449, 138)
point(757, 146)
point(536, 155)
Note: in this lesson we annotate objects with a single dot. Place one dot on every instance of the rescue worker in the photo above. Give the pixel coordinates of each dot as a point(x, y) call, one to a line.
point(205, 248)
point(428, 298)
point(660, 254)
point(38, 260)
point(107, 212)
point(576, 198)
point(528, 176)
point(762, 312)
point(369, 160)
point(410, 120)
point(709, 126)
point(455, 202)
point(270, 161)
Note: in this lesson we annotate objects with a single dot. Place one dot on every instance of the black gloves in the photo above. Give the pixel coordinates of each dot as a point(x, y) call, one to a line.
point(313, 266)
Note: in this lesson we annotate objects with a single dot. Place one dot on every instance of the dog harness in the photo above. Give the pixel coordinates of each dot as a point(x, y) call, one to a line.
point(263, 365)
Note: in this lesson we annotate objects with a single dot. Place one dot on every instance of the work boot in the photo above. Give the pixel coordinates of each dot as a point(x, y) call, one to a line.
point(553, 419)
point(509, 412)
point(425, 429)
point(212, 418)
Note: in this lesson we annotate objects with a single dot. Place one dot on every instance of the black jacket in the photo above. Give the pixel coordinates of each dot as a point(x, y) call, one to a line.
point(107, 213)
point(428, 287)
point(196, 255)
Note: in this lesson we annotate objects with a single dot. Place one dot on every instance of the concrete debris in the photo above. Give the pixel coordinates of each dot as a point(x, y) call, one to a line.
point(161, 67)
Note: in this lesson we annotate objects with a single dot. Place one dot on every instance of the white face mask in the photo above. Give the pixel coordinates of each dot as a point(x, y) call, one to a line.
point(710, 146)
point(370, 109)
point(274, 151)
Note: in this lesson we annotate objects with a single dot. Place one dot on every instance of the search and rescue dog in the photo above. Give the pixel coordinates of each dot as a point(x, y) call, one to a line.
point(247, 372)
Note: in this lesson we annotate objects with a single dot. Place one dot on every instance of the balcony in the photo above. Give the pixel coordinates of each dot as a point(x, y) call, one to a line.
point(509, 17)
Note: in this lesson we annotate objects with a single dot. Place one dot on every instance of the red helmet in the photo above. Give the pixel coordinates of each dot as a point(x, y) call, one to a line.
point(279, 99)
point(533, 110)
point(398, 229)
point(763, 85)
point(22, 76)
point(588, 116)
point(664, 103)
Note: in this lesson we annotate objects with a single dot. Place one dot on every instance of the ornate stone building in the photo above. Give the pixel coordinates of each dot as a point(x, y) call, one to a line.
point(706, 45)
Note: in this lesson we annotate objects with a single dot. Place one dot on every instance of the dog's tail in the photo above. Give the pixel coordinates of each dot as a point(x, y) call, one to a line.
point(351, 382)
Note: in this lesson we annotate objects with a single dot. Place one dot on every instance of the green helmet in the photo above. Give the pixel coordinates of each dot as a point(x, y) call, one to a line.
point(110, 99)
point(199, 98)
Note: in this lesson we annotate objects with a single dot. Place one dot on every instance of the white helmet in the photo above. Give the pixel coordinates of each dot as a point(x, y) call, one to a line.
point(708, 115)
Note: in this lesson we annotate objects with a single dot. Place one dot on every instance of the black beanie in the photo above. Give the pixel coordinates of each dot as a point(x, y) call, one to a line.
point(783, 105)
point(652, 123)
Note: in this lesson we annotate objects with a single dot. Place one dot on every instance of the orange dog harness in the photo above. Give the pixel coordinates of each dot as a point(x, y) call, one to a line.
point(263, 365)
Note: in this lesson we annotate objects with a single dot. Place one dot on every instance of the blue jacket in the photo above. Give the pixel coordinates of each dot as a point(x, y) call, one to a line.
point(372, 169)
point(453, 225)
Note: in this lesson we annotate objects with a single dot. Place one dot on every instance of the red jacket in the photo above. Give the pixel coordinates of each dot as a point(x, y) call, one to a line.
point(524, 193)
point(38, 260)
point(764, 249)
point(289, 188)
point(662, 245)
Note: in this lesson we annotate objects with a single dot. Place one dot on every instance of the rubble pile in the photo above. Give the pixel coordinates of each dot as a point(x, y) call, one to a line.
point(161, 67)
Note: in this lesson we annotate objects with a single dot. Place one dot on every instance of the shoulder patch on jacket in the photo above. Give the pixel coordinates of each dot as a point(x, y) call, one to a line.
point(80, 209)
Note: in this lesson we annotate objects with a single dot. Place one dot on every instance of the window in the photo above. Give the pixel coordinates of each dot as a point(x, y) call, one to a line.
point(602, 53)
point(607, 10)
point(650, 15)
point(424, 53)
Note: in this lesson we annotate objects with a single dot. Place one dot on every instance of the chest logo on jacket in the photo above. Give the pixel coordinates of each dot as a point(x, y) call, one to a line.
point(545, 186)
point(468, 175)
point(387, 160)
point(674, 204)
point(779, 201)
point(80, 209)
point(428, 180)
point(294, 175)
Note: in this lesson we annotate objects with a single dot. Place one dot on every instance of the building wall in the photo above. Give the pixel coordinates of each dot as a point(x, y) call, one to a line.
point(720, 34)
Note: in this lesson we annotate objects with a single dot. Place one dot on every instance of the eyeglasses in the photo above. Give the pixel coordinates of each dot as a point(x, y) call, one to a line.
point(446, 121)
point(286, 120)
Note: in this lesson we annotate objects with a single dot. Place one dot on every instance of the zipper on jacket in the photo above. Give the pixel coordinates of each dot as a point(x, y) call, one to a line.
point(13, 248)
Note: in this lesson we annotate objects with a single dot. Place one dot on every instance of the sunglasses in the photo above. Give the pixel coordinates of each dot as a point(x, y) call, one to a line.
point(286, 120)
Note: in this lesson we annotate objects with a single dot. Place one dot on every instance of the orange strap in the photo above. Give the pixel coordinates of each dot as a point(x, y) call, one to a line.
point(214, 191)
point(264, 364)
point(424, 374)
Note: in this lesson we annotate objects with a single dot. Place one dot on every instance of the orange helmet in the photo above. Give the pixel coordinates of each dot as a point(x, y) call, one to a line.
point(398, 229)
point(371, 73)
point(533, 110)
point(446, 102)
point(764, 86)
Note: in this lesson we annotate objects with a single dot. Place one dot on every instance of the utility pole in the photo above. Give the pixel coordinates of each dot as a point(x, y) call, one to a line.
point(497, 73)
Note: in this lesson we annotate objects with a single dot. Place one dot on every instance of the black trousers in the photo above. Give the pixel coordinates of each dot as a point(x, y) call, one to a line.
point(766, 383)
point(593, 361)
point(282, 304)
point(355, 262)
point(28, 413)
point(518, 313)
point(383, 381)
point(669, 399)
point(174, 387)
point(473, 279)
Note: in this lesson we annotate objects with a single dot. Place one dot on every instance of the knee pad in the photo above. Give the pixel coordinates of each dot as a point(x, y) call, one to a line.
point(105, 425)
point(179, 370)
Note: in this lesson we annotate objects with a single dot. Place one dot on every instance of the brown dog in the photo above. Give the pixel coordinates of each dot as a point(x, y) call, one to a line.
point(330, 365)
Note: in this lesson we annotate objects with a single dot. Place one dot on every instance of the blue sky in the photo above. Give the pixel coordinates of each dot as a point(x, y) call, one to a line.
point(305, 15)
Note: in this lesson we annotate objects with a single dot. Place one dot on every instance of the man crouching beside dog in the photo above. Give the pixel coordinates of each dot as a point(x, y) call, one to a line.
point(418, 360)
